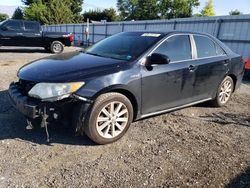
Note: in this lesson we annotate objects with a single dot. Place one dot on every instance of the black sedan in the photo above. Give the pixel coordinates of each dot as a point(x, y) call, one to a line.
point(124, 78)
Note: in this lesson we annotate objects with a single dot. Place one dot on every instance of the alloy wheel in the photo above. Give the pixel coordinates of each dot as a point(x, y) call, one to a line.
point(225, 91)
point(112, 119)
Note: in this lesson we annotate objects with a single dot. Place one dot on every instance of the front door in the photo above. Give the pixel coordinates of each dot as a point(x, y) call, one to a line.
point(169, 85)
point(12, 33)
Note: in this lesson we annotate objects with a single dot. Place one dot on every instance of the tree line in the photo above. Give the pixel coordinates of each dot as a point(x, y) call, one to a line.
point(70, 11)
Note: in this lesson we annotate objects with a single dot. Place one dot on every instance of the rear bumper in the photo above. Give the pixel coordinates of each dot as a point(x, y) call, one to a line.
point(68, 43)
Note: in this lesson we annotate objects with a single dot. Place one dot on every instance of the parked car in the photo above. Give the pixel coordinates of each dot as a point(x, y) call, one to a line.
point(127, 77)
point(29, 34)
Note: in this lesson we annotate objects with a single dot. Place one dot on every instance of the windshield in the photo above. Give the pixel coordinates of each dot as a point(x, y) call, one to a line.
point(124, 46)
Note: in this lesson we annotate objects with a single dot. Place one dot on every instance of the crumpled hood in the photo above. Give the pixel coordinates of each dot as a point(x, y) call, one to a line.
point(68, 67)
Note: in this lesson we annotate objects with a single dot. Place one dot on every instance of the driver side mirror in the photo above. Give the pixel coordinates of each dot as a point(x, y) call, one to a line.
point(158, 59)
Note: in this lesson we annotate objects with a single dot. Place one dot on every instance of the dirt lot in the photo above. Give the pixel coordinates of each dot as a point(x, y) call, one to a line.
point(198, 146)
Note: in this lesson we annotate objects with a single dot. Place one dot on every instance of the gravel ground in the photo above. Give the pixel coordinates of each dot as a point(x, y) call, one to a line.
point(198, 146)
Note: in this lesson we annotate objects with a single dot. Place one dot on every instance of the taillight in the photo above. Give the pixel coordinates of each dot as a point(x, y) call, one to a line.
point(247, 65)
point(70, 38)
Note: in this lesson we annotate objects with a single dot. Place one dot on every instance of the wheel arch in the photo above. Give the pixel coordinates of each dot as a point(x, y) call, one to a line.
point(124, 91)
point(234, 78)
point(49, 41)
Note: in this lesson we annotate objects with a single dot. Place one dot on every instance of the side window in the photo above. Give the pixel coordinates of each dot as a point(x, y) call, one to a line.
point(13, 25)
point(206, 47)
point(177, 48)
point(31, 27)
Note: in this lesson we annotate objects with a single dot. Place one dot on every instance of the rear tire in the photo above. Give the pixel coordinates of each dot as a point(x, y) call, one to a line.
point(56, 47)
point(224, 92)
point(109, 118)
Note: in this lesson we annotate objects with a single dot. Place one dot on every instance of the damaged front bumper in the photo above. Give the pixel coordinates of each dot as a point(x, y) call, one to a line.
point(24, 104)
point(45, 112)
point(34, 108)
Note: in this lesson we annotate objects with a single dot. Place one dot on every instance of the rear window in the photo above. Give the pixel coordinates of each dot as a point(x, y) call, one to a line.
point(31, 26)
point(206, 47)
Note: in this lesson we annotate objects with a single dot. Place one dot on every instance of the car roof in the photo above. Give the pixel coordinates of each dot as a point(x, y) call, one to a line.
point(165, 33)
point(170, 32)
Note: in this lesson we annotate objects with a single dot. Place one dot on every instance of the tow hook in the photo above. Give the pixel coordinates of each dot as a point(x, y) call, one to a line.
point(44, 122)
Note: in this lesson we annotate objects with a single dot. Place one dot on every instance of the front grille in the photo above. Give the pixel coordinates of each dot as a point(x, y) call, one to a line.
point(25, 86)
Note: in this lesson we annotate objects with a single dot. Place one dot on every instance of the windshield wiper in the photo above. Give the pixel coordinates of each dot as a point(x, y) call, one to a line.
point(95, 54)
point(106, 56)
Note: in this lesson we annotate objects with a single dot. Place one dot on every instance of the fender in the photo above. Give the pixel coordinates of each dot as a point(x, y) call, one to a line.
point(127, 79)
point(120, 88)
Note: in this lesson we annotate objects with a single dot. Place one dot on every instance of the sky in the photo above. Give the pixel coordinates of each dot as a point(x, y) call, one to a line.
point(222, 7)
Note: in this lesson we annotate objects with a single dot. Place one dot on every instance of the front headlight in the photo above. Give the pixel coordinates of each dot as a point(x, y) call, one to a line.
point(54, 91)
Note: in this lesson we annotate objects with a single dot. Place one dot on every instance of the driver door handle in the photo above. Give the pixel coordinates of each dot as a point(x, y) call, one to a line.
point(226, 62)
point(19, 33)
point(192, 68)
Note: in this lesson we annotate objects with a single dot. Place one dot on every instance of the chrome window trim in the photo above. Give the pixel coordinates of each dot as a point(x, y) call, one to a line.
point(194, 59)
point(194, 53)
point(215, 45)
point(210, 57)
point(142, 60)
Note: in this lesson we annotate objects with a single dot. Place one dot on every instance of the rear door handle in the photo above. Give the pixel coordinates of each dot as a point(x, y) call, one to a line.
point(19, 33)
point(192, 68)
point(226, 62)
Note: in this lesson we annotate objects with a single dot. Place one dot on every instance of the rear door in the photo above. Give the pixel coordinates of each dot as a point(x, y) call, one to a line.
point(212, 66)
point(169, 85)
point(32, 34)
point(12, 33)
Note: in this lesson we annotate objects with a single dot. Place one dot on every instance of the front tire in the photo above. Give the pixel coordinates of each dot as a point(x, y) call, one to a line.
point(109, 118)
point(56, 47)
point(224, 92)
